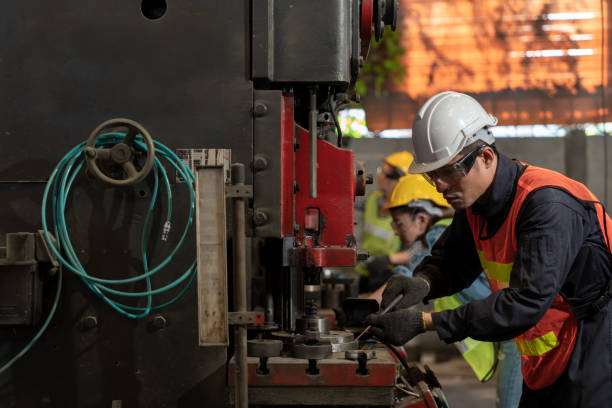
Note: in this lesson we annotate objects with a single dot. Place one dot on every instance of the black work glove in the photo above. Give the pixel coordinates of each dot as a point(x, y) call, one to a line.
point(413, 289)
point(378, 266)
point(397, 327)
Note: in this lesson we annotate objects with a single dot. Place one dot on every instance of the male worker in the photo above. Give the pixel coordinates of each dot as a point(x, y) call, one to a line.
point(378, 238)
point(542, 240)
point(420, 216)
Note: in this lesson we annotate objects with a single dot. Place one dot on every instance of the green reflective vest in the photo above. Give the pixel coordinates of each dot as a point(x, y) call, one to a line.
point(480, 355)
point(378, 237)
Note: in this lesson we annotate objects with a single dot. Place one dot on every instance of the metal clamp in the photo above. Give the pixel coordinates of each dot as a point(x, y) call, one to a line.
point(243, 318)
point(237, 190)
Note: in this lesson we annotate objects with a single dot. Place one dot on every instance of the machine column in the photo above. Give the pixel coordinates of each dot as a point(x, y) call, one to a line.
point(240, 288)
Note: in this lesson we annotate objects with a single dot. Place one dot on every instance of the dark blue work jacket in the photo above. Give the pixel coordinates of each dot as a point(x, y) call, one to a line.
point(561, 249)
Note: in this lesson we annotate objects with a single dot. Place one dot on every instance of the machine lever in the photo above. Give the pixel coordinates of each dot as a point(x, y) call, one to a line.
point(391, 306)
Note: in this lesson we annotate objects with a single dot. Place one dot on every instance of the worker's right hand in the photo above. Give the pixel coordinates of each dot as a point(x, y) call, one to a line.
point(413, 289)
point(397, 327)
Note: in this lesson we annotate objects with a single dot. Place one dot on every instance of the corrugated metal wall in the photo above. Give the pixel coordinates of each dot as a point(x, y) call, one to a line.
point(526, 61)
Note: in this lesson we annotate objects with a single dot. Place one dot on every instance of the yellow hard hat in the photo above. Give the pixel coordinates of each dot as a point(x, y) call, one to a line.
point(400, 160)
point(413, 187)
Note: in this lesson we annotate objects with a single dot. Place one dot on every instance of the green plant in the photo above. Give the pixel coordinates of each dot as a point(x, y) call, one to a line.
point(383, 66)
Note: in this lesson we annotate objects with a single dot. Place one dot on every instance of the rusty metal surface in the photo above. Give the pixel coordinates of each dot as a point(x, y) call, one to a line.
point(264, 348)
point(66, 67)
point(334, 372)
point(273, 164)
point(286, 57)
point(212, 262)
point(322, 396)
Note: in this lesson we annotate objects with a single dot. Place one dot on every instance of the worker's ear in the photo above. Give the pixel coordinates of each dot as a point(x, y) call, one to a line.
point(422, 221)
point(488, 156)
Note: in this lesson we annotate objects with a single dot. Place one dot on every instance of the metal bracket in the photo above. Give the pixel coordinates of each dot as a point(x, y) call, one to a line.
point(242, 318)
point(233, 190)
point(195, 158)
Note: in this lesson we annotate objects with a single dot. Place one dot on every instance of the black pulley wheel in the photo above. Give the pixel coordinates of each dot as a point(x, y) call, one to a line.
point(122, 154)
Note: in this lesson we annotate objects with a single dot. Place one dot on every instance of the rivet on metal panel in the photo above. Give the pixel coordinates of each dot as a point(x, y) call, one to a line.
point(157, 323)
point(260, 109)
point(260, 218)
point(88, 322)
point(260, 162)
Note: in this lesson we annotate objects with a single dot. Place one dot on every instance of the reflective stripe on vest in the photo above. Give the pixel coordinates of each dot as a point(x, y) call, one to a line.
point(498, 274)
point(378, 237)
point(546, 347)
point(480, 355)
point(537, 347)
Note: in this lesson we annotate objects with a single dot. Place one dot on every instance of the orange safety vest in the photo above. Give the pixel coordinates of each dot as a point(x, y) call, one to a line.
point(546, 347)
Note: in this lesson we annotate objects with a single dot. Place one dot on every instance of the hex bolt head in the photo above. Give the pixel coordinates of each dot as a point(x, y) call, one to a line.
point(260, 163)
point(260, 109)
point(158, 322)
point(260, 218)
point(88, 323)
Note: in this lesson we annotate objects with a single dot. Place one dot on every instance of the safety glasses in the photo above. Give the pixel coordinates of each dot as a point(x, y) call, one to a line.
point(396, 225)
point(452, 173)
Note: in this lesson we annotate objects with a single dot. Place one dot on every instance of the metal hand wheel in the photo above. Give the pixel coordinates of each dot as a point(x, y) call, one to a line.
point(121, 154)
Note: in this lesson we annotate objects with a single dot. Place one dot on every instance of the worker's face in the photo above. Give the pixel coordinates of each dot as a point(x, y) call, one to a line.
point(407, 228)
point(385, 180)
point(462, 192)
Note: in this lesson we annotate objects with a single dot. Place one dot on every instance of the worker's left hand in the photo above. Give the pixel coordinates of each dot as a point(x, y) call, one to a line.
point(397, 327)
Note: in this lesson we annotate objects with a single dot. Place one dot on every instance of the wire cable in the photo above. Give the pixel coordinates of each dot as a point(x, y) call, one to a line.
point(59, 185)
point(40, 331)
point(58, 188)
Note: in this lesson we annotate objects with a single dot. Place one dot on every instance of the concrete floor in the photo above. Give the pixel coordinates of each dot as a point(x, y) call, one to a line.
point(460, 385)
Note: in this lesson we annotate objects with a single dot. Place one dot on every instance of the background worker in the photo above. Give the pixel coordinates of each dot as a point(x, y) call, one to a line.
point(420, 215)
point(542, 240)
point(378, 237)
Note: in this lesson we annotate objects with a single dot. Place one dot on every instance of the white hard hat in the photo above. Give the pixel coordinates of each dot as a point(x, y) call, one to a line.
point(444, 125)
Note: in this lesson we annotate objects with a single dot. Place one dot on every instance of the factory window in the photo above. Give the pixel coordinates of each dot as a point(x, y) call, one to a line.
point(528, 62)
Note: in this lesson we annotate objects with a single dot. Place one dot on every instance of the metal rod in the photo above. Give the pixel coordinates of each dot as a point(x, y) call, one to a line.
point(240, 288)
point(391, 305)
point(313, 142)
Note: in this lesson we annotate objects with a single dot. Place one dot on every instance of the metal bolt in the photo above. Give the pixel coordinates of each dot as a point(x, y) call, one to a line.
point(158, 322)
point(88, 323)
point(260, 109)
point(259, 163)
point(260, 218)
point(369, 179)
point(357, 98)
point(361, 61)
point(296, 187)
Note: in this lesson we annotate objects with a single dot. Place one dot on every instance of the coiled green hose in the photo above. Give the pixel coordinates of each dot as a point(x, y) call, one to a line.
point(58, 187)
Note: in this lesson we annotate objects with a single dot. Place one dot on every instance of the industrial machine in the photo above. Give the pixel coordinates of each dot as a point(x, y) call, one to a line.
point(245, 94)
